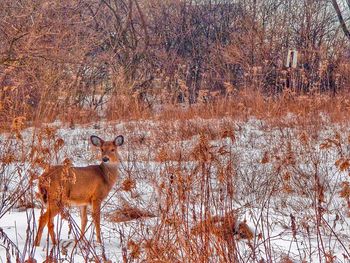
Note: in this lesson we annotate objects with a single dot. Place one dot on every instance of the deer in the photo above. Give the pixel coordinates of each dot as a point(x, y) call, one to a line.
point(65, 186)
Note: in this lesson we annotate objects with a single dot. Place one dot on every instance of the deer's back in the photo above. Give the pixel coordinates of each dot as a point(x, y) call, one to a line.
point(74, 185)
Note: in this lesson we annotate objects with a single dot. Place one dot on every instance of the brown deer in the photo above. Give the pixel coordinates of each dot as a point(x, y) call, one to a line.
point(62, 186)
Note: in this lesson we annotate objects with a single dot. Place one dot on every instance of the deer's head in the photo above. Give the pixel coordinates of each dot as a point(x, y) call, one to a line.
point(109, 149)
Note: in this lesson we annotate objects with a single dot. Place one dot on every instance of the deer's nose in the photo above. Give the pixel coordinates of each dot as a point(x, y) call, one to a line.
point(105, 159)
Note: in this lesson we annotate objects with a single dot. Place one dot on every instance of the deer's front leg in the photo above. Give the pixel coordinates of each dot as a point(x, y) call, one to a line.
point(96, 216)
point(83, 217)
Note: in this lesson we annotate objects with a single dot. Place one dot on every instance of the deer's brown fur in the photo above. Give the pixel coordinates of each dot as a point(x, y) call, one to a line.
point(65, 185)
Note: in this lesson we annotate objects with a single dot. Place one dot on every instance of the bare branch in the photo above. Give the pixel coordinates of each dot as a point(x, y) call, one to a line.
point(144, 26)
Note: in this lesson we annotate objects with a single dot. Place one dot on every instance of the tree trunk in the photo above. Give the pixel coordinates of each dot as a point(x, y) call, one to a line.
point(340, 18)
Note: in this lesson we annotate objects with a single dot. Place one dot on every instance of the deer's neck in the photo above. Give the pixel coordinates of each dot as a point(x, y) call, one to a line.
point(110, 173)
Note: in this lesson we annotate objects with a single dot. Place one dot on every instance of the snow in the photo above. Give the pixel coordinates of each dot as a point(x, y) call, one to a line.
point(258, 199)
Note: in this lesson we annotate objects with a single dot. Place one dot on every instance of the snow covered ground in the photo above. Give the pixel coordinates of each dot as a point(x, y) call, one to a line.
point(276, 179)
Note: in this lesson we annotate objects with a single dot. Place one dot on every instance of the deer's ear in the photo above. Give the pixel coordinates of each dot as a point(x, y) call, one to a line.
point(119, 140)
point(96, 141)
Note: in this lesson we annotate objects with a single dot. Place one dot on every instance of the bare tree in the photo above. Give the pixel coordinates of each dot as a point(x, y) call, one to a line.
point(56, 56)
point(340, 17)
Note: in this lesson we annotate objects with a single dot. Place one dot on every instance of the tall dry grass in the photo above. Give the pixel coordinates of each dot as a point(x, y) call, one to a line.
point(213, 202)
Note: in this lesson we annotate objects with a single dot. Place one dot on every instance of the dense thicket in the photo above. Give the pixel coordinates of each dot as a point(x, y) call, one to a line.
point(66, 54)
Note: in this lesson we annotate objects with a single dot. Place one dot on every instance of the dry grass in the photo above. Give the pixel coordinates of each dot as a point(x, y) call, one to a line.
point(286, 108)
point(206, 185)
point(128, 213)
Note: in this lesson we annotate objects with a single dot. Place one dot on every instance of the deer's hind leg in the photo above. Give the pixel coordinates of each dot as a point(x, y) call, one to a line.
point(53, 211)
point(47, 219)
point(44, 218)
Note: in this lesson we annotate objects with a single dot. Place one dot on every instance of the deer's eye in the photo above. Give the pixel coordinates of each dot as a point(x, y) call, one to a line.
point(113, 150)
